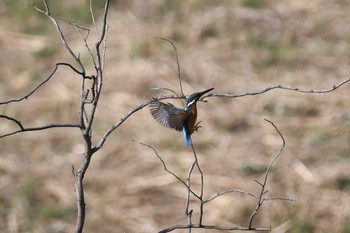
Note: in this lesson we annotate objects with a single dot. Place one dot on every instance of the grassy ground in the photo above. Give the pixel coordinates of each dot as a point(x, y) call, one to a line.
point(234, 46)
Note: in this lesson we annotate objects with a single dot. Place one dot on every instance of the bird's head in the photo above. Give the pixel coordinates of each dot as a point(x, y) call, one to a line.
point(192, 99)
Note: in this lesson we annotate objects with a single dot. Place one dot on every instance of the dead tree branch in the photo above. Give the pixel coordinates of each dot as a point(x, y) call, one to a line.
point(212, 227)
point(166, 167)
point(47, 12)
point(86, 119)
point(42, 83)
point(177, 62)
point(263, 190)
point(32, 129)
point(283, 87)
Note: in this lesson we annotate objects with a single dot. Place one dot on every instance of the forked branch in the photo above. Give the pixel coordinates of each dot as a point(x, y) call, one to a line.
point(200, 197)
point(47, 12)
point(263, 190)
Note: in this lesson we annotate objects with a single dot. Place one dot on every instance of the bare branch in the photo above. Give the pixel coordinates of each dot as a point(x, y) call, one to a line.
point(42, 83)
point(165, 167)
point(93, 18)
point(73, 170)
point(22, 130)
point(166, 89)
point(258, 92)
point(279, 199)
point(230, 191)
point(60, 32)
point(99, 70)
point(84, 38)
point(188, 212)
point(88, 119)
point(210, 227)
point(79, 188)
point(280, 86)
point(104, 48)
point(279, 152)
point(261, 198)
point(104, 27)
point(258, 182)
point(177, 62)
point(201, 204)
point(117, 124)
point(14, 120)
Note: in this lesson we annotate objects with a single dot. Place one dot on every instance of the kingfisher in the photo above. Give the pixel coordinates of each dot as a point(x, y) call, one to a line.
point(176, 118)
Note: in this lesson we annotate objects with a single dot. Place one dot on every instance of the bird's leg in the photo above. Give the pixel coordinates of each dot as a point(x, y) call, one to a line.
point(197, 126)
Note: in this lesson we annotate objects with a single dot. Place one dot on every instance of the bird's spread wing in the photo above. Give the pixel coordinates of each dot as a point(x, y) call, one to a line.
point(168, 115)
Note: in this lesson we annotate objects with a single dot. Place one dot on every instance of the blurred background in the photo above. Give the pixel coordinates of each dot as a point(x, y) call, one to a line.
point(233, 45)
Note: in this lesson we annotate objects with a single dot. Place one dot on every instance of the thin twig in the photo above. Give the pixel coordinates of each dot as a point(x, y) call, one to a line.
point(211, 227)
point(166, 89)
point(230, 191)
point(117, 124)
point(201, 204)
point(84, 38)
point(73, 170)
point(283, 87)
point(165, 167)
point(42, 83)
point(99, 70)
point(279, 199)
point(93, 19)
point(31, 129)
point(104, 26)
point(60, 32)
point(77, 26)
point(177, 62)
point(188, 212)
point(104, 48)
point(263, 184)
point(14, 120)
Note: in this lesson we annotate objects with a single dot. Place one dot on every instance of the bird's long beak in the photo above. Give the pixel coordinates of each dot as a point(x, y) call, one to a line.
point(196, 96)
point(206, 91)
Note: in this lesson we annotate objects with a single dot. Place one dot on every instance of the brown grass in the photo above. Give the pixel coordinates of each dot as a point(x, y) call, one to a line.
point(234, 46)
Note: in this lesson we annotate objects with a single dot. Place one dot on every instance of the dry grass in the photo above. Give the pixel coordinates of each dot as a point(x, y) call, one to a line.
point(234, 46)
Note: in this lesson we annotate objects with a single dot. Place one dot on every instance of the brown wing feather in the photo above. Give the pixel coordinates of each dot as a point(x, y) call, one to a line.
point(168, 115)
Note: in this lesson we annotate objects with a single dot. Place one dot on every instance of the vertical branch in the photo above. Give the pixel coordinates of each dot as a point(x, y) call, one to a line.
point(201, 204)
point(177, 62)
point(86, 120)
point(79, 187)
point(93, 18)
point(87, 131)
point(99, 69)
point(263, 190)
point(104, 49)
point(82, 113)
point(189, 212)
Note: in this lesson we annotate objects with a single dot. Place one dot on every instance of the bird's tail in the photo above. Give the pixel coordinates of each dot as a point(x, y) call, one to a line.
point(187, 137)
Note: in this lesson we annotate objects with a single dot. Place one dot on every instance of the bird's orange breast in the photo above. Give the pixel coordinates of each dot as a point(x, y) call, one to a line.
point(191, 120)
